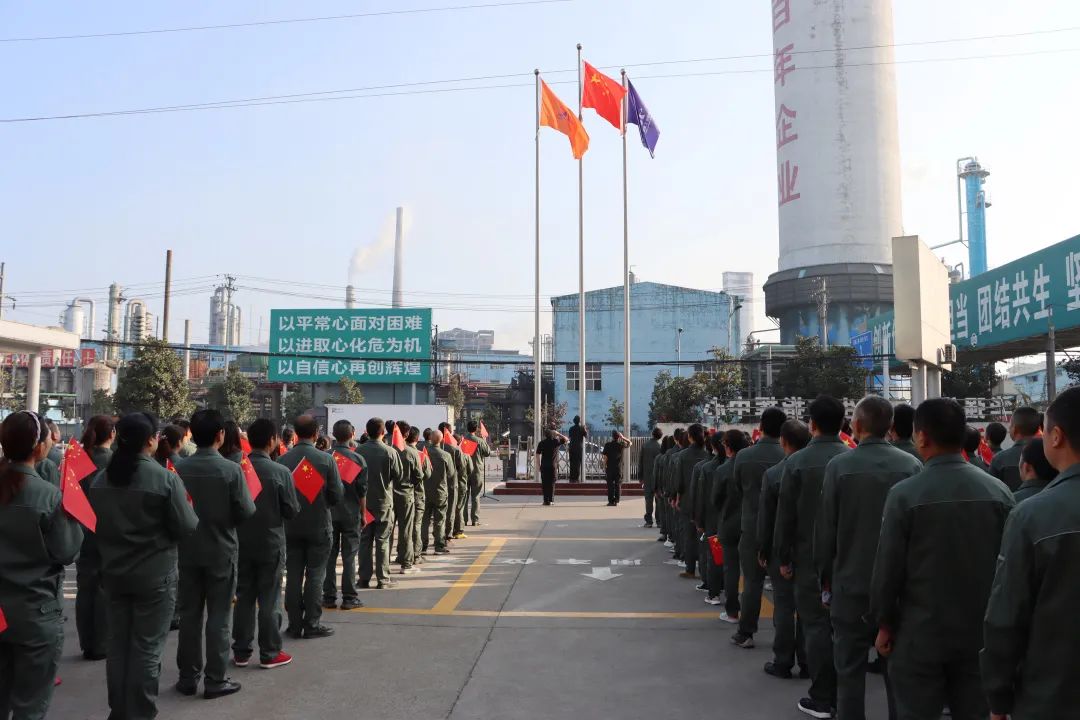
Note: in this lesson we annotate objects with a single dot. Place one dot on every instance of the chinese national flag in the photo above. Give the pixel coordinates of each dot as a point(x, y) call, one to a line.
point(254, 484)
point(554, 114)
point(368, 517)
point(169, 466)
point(848, 440)
point(448, 439)
point(469, 447)
point(483, 431)
point(396, 439)
point(75, 466)
point(245, 446)
point(985, 452)
point(309, 482)
point(425, 456)
point(756, 435)
point(604, 95)
point(3, 621)
point(348, 469)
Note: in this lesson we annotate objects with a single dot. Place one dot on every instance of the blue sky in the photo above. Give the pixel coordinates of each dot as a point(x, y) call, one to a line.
point(288, 192)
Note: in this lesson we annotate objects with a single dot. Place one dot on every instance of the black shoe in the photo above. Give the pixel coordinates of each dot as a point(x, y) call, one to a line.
point(776, 671)
point(93, 656)
point(662, 538)
point(294, 632)
point(742, 640)
point(648, 525)
point(226, 688)
point(804, 673)
point(441, 551)
point(611, 504)
point(386, 584)
point(877, 667)
point(351, 604)
point(816, 709)
point(187, 688)
point(423, 550)
point(330, 604)
point(174, 625)
point(546, 502)
point(319, 631)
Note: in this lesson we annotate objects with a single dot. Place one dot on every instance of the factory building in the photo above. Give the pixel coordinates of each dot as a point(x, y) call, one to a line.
point(224, 319)
point(668, 324)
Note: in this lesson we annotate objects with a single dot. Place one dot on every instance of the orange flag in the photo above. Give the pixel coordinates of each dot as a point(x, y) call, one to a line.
point(396, 439)
point(254, 484)
point(554, 114)
point(309, 482)
point(604, 95)
point(75, 466)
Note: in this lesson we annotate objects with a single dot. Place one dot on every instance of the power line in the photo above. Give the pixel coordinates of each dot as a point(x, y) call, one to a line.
point(423, 87)
point(284, 21)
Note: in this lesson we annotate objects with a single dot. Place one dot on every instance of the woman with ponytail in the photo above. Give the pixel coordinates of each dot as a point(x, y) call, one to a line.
point(91, 611)
point(231, 448)
point(170, 441)
point(142, 514)
point(37, 539)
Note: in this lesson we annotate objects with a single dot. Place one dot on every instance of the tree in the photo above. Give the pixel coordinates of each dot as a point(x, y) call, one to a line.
point(1072, 369)
point(455, 397)
point(969, 381)
point(676, 399)
point(350, 393)
point(494, 417)
point(297, 402)
point(101, 403)
point(232, 396)
point(723, 378)
point(12, 392)
point(553, 417)
point(154, 381)
point(616, 415)
point(814, 372)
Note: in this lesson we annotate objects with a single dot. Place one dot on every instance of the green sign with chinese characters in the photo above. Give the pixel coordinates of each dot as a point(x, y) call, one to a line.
point(369, 346)
point(1016, 301)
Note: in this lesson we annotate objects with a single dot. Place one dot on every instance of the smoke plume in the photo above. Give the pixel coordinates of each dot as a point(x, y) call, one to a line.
point(365, 256)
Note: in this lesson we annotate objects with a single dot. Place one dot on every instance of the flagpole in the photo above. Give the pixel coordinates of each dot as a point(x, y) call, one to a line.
point(581, 276)
point(537, 344)
point(626, 281)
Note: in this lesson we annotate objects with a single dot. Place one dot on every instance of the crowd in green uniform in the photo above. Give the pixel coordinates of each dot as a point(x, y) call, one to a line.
point(196, 532)
point(890, 547)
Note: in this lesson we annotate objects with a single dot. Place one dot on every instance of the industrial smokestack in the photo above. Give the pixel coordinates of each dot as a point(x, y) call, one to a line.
point(112, 352)
point(399, 260)
point(350, 297)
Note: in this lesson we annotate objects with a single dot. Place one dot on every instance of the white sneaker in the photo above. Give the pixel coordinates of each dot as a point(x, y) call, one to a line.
point(669, 544)
point(713, 601)
point(724, 617)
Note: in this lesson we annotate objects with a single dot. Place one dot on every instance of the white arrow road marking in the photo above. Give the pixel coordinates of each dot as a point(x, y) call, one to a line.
point(673, 562)
point(572, 561)
point(601, 573)
point(626, 562)
point(563, 525)
point(517, 561)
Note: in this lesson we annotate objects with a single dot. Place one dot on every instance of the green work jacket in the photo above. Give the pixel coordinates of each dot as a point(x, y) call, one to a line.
point(222, 502)
point(750, 466)
point(347, 511)
point(800, 498)
point(384, 471)
point(770, 497)
point(1006, 464)
point(313, 520)
point(262, 537)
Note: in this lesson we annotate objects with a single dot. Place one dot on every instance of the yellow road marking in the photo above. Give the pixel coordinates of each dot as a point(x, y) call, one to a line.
point(457, 592)
point(541, 614)
point(564, 539)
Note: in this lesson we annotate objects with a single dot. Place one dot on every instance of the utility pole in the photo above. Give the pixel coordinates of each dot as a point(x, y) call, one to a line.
point(2, 290)
point(229, 280)
point(168, 296)
point(1051, 360)
point(821, 295)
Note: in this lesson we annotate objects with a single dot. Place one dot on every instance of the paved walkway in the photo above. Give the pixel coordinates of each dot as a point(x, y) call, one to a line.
point(543, 612)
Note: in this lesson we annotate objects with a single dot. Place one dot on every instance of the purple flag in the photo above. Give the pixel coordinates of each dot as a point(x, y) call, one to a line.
point(638, 114)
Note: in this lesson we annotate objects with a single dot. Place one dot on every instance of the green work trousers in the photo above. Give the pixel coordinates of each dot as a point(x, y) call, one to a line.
point(462, 501)
point(29, 654)
point(753, 584)
point(305, 563)
point(418, 523)
point(818, 630)
point(139, 623)
point(91, 608)
point(258, 583)
point(434, 522)
point(476, 489)
point(788, 642)
point(344, 541)
point(451, 508)
point(923, 686)
point(375, 549)
point(211, 590)
point(731, 579)
point(404, 518)
point(852, 640)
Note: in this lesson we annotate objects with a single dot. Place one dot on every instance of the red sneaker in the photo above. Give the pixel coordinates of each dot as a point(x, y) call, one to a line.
point(281, 659)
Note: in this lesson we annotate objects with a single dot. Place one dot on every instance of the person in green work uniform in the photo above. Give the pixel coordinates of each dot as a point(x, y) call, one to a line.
point(670, 486)
point(170, 439)
point(650, 451)
point(142, 515)
point(995, 435)
point(345, 519)
point(442, 474)
point(788, 641)
point(1036, 472)
point(56, 453)
point(972, 443)
point(49, 471)
point(455, 507)
point(728, 504)
point(476, 478)
point(91, 607)
point(208, 558)
point(748, 472)
point(662, 506)
point(1026, 424)
point(682, 475)
point(852, 500)
point(902, 429)
point(796, 516)
point(37, 539)
point(704, 516)
point(412, 474)
point(307, 536)
point(419, 492)
point(261, 558)
point(384, 469)
point(231, 449)
point(940, 534)
point(1028, 662)
point(187, 448)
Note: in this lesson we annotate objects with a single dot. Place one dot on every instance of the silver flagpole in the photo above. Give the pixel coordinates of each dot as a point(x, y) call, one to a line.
point(581, 276)
point(537, 344)
point(626, 282)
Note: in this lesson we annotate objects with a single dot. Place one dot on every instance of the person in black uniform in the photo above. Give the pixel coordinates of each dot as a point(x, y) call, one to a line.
point(613, 462)
point(1028, 661)
point(142, 514)
point(547, 454)
point(578, 434)
point(37, 539)
point(91, 608)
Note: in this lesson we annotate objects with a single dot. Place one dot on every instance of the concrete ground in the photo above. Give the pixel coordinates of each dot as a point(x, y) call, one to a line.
point(508, 626)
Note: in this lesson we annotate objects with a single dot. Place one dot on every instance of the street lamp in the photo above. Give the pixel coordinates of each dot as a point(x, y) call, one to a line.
point(735, 307)
point(678, 350)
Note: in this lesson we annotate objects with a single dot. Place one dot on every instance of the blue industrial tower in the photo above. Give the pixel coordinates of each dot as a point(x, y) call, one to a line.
point(974, 176)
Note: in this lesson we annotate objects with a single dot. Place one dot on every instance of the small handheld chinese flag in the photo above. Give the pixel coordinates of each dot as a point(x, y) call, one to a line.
point(556, 115)
point(424, 456)
point(448, 439)
point(848, 440)
point(604, 95)
point(75, 466)
point(397, 440)
point(169, 466)
point(716, 549)
point(483, 431)
point(348, 469)
point(245, 446)
point(309, 482)
point(756, 435)
point(254, 484)
point(368, 517)
point(469, 447)
point(3, 621)
point(985, 452)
